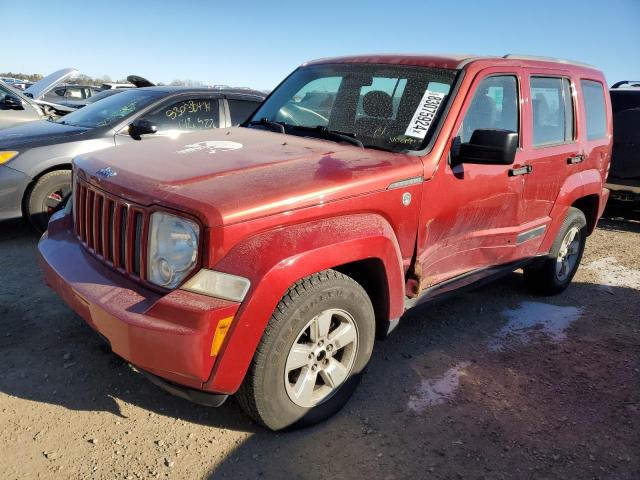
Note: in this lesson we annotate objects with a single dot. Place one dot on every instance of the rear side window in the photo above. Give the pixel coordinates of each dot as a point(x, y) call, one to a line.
point(494, 106)
point(240, 110)
point(594, 106)
point(552, 110)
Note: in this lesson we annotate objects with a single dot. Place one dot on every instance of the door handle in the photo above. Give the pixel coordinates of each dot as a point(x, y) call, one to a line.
point(575, 159)
point(520, 170)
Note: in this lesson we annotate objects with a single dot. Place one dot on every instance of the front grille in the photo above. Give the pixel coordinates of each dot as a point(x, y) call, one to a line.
point(112, 229)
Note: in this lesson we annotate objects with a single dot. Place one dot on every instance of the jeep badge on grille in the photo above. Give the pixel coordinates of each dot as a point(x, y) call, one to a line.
point(106, 172)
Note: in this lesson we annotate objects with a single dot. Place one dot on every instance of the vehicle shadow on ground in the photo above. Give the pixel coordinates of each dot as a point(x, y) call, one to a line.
point(517, 410)
point(619, 225)
point(51, 356)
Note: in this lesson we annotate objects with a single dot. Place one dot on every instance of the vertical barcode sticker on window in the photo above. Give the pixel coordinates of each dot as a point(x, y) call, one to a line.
point(425, 113)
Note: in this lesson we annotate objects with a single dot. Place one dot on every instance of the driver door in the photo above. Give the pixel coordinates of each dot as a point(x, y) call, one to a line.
point(471, 212)
point(187, 113)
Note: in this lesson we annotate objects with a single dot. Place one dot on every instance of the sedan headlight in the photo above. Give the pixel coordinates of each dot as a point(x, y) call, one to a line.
point(173, 249)
point(6, 156)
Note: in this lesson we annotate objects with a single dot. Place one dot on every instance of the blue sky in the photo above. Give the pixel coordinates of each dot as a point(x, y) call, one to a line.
point(256, 44)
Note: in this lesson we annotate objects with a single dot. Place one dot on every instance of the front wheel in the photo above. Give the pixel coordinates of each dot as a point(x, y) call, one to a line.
point(556, 272)
point(46, 196)
point(313, 353)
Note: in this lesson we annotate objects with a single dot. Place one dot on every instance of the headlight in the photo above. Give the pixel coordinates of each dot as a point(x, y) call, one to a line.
point(6, 156)
point(218, 284)
point(173, 249)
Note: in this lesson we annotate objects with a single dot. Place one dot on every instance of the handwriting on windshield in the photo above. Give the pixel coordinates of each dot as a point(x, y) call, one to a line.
point(188, 106)
point(122, 112)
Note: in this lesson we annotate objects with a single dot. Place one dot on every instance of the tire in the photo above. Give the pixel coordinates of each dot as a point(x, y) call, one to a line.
point(272, 392)
point(45, 196)
point(554, 275)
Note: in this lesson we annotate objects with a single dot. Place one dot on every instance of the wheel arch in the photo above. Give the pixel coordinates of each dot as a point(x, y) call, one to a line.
point(582, 190)
point(66, 165)
point(293, 253)
point(372, 277)
point(589, 205)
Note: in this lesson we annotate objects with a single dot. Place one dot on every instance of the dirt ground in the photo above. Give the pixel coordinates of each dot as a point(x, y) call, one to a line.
point(494, 383)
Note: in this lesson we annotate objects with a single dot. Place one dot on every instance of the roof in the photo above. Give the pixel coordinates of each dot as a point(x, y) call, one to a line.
point(222, 91)
point(450, 61)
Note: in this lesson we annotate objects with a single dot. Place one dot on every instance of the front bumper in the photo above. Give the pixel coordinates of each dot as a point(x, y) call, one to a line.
point(168, 335)
point(12, 187)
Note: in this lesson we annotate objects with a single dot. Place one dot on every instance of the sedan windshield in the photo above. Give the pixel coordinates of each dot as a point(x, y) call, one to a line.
point(111, 110)
point(387, 107)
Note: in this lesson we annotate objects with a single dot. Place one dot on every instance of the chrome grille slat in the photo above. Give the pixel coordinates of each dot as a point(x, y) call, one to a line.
point(111, 228)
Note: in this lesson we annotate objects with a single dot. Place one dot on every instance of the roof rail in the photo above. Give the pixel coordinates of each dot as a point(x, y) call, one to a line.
point(631, 83)
point(549, 59)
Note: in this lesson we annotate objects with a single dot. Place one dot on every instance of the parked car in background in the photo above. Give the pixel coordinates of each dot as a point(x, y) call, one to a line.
point(20, 107)
point(67, 94)
point(624, 177)
point(110, 86)
point(135, 81)
point(41, 88)
point(35, 159)
point(22, 85)
point(17, 108)
point(94, 98)
point(264, 260)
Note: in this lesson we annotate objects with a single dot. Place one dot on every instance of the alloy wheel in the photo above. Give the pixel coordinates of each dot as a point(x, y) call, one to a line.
point(321, 358)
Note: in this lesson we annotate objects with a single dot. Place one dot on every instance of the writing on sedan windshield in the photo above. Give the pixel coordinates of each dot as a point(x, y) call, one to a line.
point(115, 115)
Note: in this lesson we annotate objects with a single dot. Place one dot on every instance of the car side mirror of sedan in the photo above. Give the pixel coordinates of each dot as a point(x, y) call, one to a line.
point(489, 147)
point(140, 127)
point(12, 102)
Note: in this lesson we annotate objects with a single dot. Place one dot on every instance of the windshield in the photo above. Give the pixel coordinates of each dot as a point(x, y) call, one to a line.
point(387, 107)
point(110, 110)
point(101, 95)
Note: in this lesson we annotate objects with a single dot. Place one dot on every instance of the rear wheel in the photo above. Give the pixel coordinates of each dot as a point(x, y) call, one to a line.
point(556, 272)
point(312, 354)
point(46, 196)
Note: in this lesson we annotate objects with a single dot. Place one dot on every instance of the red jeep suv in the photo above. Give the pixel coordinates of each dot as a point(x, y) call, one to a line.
point(263, 260)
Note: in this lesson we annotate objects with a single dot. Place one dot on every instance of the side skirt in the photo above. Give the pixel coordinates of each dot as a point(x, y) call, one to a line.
point(466, 281)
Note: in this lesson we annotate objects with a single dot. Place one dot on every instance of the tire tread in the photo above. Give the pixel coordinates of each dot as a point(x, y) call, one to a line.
point(251, 394)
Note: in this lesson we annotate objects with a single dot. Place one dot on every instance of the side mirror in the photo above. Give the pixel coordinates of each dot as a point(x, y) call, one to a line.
point(489, 147)
point(141, 127)
point(12, 102)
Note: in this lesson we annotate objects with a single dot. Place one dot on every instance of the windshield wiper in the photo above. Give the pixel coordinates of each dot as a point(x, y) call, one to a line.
point(275, 126)
point(331, 134)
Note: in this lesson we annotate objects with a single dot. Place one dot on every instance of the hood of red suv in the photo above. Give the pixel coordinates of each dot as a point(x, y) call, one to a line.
point(234, 175)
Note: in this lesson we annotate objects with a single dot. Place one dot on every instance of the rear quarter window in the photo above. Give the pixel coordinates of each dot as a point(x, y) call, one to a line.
point(595, 110)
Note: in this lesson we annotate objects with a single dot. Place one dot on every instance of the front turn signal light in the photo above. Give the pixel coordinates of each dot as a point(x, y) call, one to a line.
point(6, 156)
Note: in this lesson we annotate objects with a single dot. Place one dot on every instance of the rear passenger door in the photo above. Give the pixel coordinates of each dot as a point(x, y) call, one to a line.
point(551, 149)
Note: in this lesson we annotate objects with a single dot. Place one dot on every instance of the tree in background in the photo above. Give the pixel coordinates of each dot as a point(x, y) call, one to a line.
point(32, 77)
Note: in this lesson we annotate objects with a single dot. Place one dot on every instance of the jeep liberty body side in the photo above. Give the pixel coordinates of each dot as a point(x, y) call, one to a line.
point(263, 260)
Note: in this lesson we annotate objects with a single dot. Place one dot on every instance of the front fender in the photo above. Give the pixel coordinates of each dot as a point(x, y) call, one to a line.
point(276, 259)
